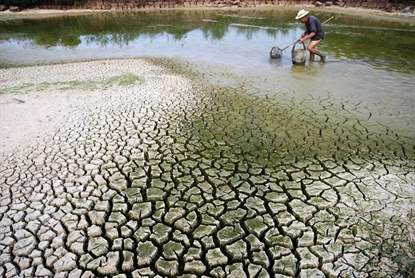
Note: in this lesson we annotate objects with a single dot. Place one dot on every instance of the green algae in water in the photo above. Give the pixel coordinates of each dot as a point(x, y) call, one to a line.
point(267, 131)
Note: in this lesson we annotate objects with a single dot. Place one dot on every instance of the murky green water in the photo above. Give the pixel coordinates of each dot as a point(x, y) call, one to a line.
point(243, 36)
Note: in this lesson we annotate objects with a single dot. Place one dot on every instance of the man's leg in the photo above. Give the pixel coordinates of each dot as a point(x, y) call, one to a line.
point(312, 47)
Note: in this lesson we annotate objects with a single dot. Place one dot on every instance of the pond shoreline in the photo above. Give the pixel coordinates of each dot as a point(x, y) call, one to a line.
point(369, 13)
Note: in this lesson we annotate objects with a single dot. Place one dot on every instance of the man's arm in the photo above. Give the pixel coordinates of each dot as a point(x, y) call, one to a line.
point(306, 37)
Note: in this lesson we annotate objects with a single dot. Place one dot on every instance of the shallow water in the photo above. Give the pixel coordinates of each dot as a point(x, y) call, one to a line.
point(227, 37)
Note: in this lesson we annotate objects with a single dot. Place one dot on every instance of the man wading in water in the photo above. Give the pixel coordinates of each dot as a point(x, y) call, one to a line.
point(314, 31)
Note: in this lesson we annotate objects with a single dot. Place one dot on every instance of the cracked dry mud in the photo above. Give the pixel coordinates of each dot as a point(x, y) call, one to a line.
point(160, 175)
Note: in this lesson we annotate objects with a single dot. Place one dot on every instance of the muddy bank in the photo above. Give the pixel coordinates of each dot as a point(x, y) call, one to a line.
point(369, 13)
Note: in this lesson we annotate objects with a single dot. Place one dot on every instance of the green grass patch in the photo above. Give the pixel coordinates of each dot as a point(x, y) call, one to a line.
point(126, 79)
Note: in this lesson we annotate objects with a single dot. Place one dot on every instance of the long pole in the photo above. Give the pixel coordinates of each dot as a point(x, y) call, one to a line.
point(328, 19)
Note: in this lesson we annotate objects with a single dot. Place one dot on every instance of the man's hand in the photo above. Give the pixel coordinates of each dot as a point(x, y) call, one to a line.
point(302, 38)
point(309, 36)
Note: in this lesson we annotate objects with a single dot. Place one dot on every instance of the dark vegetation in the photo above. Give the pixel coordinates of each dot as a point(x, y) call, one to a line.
point(33, 3)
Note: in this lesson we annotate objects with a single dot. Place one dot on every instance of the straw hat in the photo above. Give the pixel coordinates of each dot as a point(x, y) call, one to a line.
point(301, 13)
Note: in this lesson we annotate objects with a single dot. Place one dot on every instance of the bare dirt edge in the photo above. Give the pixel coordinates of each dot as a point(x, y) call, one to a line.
point(26, 119)
point(36, 105)
point(371, 13)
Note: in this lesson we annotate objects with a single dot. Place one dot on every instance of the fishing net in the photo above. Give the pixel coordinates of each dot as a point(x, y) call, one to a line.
point(276, 52)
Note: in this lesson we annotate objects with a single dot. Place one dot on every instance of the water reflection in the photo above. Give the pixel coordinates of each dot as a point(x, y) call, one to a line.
point(242, 36)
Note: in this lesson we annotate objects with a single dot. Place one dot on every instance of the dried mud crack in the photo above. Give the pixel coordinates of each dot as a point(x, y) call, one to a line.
point(155, 174)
